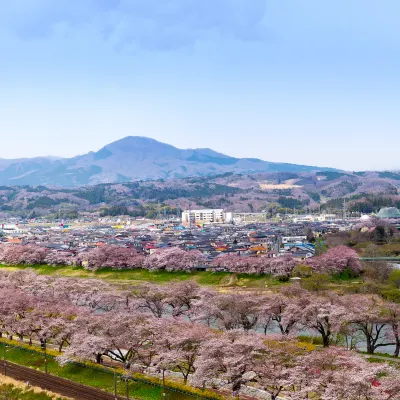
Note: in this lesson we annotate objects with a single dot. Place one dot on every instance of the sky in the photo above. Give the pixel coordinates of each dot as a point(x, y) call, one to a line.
point(301, 81)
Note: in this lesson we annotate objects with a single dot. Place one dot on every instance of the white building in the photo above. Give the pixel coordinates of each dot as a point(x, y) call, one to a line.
point(11, 228)
point(244, 217)
point(202, 216)
point(303, 218)
point(313, 218)
point(294, 239)
point(325, 217)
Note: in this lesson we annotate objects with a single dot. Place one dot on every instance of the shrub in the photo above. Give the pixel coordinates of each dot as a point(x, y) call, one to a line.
point(394, 278)
point(302, 271)
point(315, 283)
point(391, 295)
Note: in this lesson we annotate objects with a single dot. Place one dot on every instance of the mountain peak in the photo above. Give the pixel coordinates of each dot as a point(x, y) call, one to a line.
point(141, 146)
point(135, 158)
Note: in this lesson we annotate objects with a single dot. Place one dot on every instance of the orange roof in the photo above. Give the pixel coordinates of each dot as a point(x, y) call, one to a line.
point(258, 248)
point(13, 240)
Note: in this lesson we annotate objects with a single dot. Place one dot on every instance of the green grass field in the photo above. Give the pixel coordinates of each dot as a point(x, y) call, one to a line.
point(87, 376)
point(224, 279)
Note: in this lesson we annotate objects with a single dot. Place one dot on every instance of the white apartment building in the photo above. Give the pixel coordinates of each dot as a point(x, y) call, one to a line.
point(11, 228)
point(202, 216)
point(313, 218)
point(303, 218)
point(244, 217)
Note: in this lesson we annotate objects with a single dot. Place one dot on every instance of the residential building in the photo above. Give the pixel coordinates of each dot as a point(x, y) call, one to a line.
point(205, 216)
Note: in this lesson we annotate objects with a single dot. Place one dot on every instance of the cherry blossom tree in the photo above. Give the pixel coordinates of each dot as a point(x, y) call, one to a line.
point(173, 259)
point(179, 346)
point(282, 266)
point(228, 357)
point(181, 297)
point(391, 313)
point(111, 256)
point(283, 310)
point(367, 315)
point(56, 258)
point(335, 374)
point(15, 304)
point(229, 311)
point(325, 315)
point(278, 266)
point(275, 367)
point(241, 264)
point(22, 254)
point(153, 299)
point(336, 260)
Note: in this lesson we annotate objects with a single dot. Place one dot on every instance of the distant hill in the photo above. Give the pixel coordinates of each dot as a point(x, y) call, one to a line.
point(134, 158)
point(272, 192)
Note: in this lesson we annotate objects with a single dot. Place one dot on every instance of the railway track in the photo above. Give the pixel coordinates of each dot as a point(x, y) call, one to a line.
point(55, 384)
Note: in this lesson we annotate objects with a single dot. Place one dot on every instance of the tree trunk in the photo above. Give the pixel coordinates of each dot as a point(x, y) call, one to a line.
point(325, 340)
point(397, 339)
point(397, 350)
point(370, 346)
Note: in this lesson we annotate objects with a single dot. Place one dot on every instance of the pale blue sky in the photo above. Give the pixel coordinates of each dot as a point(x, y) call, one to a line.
point(303, 81)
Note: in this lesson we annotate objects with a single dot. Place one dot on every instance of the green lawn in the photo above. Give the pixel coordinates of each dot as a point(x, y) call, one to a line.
point(141, 275)
point(87, 376)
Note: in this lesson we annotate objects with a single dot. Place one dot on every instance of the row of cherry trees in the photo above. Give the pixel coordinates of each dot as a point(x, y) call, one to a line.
point(336, 260)
point(210, 338)
point(347, 320)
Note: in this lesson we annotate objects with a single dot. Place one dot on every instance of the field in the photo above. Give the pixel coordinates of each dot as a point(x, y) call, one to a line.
point(224, 279)
point(104, 380)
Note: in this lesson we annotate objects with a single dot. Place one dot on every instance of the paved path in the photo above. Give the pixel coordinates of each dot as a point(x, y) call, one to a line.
point(55, 384)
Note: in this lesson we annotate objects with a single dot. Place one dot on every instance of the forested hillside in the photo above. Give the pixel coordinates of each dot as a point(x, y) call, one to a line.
point(283, 192)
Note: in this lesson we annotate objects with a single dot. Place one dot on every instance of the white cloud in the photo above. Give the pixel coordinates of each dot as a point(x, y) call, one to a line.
point(149, 24)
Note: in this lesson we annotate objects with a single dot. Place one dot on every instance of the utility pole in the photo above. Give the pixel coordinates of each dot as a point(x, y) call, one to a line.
point(344, 208)
point(163, 383)
point(4, 359)
point(190, 216)
point(127, 388)
point(115, 383)
point(45, 357)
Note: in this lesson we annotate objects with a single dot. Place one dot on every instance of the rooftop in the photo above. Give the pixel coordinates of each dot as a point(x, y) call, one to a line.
point(389, 212)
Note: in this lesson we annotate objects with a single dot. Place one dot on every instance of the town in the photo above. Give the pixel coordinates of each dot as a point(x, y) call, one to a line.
point(211, 232)
point(199, 200)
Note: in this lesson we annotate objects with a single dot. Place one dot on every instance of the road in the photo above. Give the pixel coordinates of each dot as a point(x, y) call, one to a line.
point(55, 384)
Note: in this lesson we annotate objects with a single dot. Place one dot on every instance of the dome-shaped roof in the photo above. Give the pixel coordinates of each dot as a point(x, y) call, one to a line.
point(389, 212)
point(365, 218)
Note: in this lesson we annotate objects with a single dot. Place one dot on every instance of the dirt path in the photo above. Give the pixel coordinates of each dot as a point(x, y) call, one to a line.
point(55, 384)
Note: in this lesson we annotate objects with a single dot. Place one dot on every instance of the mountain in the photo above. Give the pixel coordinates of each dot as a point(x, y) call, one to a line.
point(281, 192)
point(134, 158)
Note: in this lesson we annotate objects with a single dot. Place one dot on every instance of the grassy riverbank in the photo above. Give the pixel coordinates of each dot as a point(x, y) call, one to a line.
point(160, 277)
point(223, 280)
